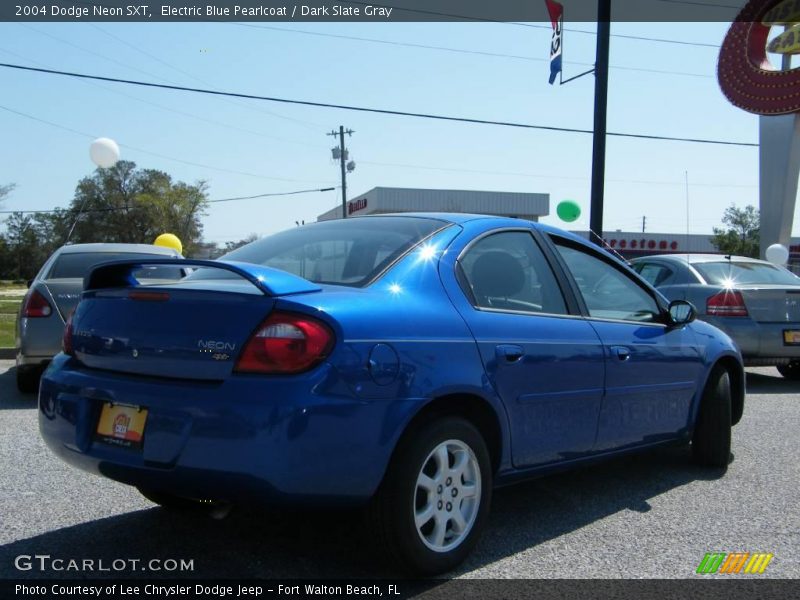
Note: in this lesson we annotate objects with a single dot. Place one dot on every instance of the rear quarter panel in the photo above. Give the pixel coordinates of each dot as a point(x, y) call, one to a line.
point(401, 342)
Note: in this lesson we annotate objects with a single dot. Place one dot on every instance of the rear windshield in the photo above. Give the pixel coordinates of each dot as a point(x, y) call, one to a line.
point(77, 265)
point(744, 273)
point(344, 252)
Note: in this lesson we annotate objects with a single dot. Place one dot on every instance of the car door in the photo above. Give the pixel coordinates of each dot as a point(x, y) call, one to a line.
point(652, 368)
point(545, 363)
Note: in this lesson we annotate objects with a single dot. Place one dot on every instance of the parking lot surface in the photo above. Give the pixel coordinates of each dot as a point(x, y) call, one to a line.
point(648, 516)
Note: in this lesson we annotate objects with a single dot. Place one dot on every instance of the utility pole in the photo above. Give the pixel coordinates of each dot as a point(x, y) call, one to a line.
point(342, 161)
point(600, 113)
point(644, 223)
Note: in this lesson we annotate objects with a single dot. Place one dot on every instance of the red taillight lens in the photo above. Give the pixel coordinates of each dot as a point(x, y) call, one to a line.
point(727, 303)
point(36, 306)
point(286, 343)
point(66, 341)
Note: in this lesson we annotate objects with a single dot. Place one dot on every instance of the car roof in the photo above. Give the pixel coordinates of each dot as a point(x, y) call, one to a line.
point(700, 258)
point(120, 248)
point(458, 218)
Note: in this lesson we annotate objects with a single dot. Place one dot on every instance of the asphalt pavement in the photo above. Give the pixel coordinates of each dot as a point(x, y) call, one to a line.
point(647, 516)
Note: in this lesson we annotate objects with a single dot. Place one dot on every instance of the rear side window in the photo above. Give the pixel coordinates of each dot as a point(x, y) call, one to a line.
point(507, 271)
point(344, 252)
point(77, 265)
point(729, 273)
point(655, 274)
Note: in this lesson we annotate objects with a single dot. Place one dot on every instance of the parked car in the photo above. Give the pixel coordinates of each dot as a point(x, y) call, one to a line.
point(53, 295)
point(755, 302)
point(406, 363)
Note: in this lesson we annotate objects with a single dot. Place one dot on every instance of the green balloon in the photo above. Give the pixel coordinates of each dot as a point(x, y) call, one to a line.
point(568, 210)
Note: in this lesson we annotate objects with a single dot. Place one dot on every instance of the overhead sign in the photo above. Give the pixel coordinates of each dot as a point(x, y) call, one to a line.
point(556, 11)
point(746, 76)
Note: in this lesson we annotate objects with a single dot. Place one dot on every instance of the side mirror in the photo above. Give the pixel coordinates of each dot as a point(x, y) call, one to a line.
point(29, 283)
point(681, 312)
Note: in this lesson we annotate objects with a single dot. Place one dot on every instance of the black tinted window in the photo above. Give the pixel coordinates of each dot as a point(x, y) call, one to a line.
point(345, 251)
point(77, 265)
point(730, 273)
point(508, 271)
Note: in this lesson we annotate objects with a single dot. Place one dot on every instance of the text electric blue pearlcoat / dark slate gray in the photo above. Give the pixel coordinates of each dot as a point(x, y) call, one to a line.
point(546, 391)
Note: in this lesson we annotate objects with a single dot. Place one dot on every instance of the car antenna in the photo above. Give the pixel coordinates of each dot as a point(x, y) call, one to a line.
point(609, 248)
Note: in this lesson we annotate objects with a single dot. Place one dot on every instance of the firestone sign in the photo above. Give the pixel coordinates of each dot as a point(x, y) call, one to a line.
point(746, 76)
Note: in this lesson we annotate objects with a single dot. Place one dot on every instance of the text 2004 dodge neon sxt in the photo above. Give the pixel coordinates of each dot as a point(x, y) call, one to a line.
point(409, 363)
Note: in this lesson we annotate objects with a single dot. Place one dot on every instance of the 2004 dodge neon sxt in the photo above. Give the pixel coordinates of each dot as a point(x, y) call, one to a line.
point(409, 363)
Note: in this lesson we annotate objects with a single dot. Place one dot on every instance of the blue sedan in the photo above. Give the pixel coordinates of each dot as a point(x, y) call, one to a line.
point(407, 363)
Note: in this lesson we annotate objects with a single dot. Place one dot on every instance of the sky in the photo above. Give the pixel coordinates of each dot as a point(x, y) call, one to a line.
point(245, 147)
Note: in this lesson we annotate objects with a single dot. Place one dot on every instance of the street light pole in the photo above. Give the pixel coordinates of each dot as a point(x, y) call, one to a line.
point(600, 113)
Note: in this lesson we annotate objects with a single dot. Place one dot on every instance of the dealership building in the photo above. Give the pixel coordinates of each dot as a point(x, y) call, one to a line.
point(630, 244)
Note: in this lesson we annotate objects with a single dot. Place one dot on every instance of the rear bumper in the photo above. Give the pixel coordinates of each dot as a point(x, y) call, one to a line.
point(302, 438)
point(760, 343)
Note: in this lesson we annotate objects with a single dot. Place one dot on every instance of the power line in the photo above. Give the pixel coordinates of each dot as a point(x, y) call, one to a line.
point(459, 50)
point(474, 121)
point(150, 152)
point(267, 195)
point(327, 189)
point(307, 124)
point(180, 112)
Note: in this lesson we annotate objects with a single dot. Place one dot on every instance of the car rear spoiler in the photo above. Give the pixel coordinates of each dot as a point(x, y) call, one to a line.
point(271, 282)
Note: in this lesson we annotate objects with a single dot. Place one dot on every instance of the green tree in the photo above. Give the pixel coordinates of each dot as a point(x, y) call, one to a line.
point(130, 205)
point(25, 255)
point(741, 235)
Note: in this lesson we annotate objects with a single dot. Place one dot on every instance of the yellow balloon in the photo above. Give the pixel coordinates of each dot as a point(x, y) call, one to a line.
point(169, 240)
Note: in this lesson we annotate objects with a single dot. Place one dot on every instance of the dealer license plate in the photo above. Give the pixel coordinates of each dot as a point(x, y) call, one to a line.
point(122, 425)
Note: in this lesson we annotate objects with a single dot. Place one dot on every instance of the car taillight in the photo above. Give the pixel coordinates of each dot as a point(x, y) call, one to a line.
point(36, 305)
point(727, 303)
point(66, 341)
point(286, 343)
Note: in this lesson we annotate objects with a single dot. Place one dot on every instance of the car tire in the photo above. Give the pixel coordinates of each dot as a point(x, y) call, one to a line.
point(790, 371)
point(711, 443)
point(455, 497)
point(28, 379)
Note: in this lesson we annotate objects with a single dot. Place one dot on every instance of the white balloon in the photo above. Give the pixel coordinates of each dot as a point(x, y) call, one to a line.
point(777, 254)
point(104, 152)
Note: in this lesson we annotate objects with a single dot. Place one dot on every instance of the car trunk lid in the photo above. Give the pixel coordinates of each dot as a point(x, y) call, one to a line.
point(191, 329)
point(772, 303)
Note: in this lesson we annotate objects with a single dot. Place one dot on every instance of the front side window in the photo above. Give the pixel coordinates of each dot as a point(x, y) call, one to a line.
point(507, 271)
point(607, 291)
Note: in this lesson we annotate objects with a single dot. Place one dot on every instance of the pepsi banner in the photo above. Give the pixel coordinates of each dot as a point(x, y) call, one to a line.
point(556, 11)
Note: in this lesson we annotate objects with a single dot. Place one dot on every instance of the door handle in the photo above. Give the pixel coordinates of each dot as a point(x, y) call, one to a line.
point(510, 353)
point(621, 352)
